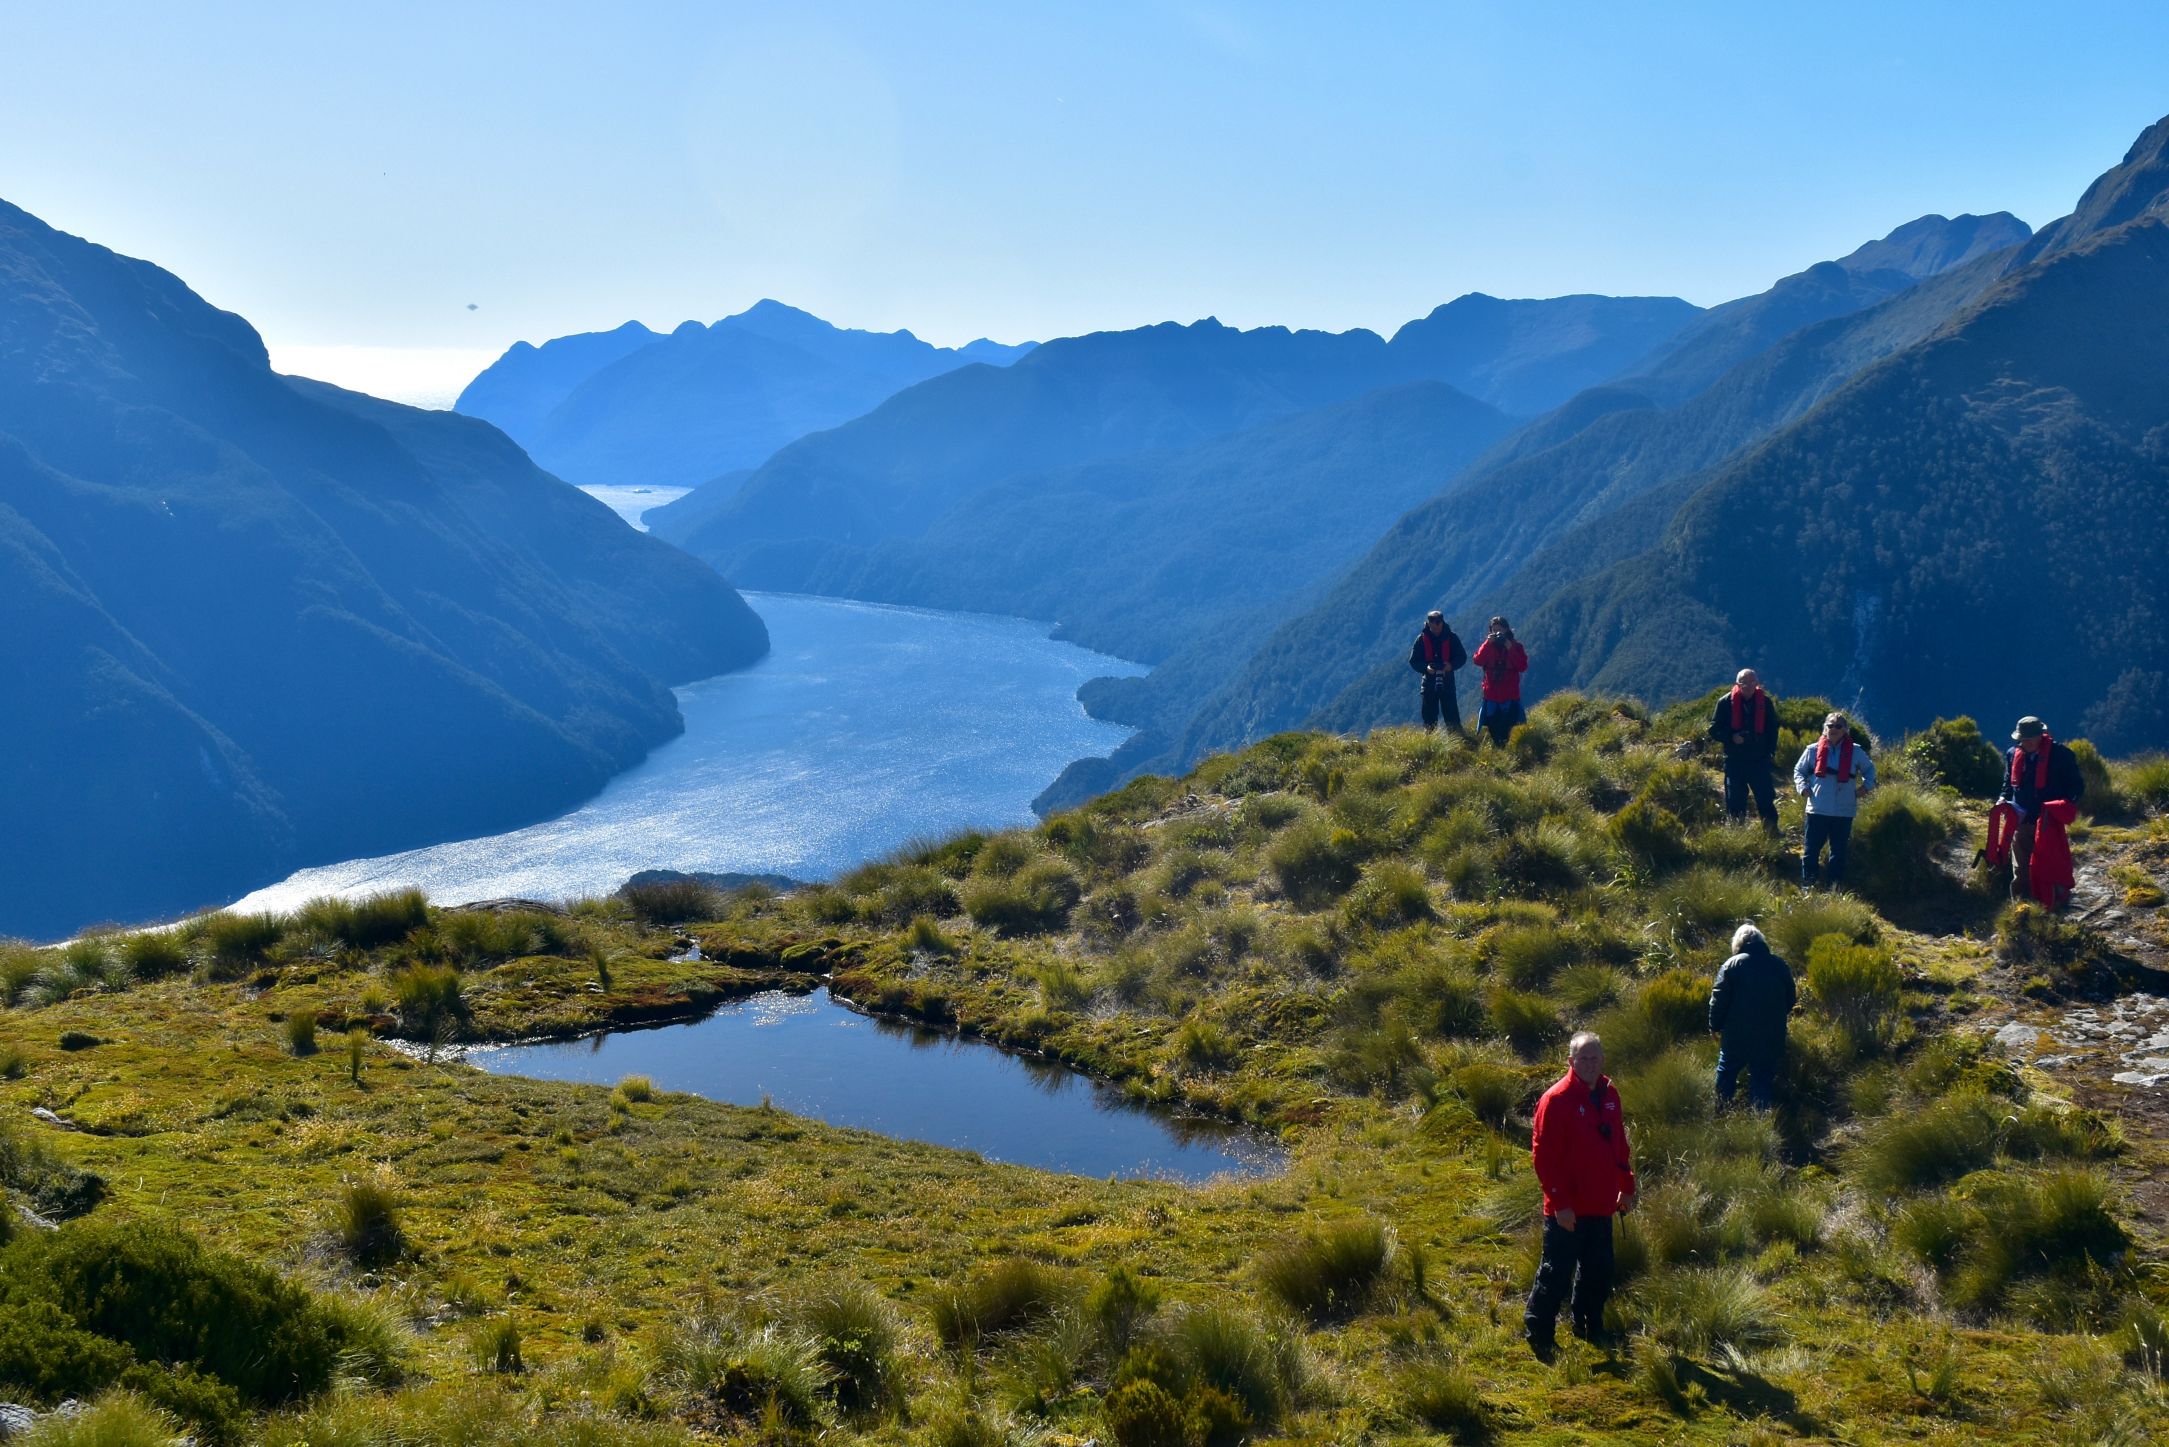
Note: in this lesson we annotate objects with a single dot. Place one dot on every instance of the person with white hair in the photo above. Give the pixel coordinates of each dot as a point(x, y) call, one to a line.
point(1749, 1004)
point(1579, 1147)
point(1744, 724)
point(1833, 775)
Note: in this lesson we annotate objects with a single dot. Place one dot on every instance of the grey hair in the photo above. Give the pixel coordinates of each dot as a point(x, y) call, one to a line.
point(1747, 935)
point(1581, 1038)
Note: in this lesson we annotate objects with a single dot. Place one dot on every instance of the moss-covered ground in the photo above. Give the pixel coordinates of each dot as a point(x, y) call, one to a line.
point(1375, 948)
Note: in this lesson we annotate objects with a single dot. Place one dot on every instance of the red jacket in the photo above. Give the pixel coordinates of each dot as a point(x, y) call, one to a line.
point(1580, 1148)
point(2049, 870)
point(1503, 666)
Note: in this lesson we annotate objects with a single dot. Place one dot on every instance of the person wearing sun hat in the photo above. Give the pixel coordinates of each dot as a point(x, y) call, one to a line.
point(2038, 771)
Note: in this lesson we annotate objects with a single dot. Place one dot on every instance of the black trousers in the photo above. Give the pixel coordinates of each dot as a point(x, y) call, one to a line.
point(1439, 702)
point(1744, 777)
point(1580, 1259)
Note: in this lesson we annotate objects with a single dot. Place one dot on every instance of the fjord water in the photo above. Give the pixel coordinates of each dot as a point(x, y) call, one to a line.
point(865, 726)
point(813, 1056)
point(631, 501)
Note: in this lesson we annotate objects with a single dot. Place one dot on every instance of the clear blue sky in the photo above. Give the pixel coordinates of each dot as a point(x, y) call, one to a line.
point(357, 175)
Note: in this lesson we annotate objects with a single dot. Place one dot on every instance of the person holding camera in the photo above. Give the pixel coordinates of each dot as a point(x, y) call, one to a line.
point(1504, 662)
point(1745, 723)
point(1435, 655)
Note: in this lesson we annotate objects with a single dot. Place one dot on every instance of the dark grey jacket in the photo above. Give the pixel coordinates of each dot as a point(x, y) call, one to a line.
point(1748, 1004)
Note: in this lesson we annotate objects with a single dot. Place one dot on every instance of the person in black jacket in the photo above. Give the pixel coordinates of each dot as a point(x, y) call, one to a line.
point(2036, 770)
point(1748, 1005)
point(1436, 653)
point(1745, 723)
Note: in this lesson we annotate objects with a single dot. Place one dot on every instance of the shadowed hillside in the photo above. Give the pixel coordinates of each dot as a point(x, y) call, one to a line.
point(258, 623)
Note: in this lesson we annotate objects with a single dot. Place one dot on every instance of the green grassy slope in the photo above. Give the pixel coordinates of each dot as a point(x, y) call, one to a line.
point(1376, 949)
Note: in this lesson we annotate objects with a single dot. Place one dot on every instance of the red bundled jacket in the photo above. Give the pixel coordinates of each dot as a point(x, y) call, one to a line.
point(1580, 1148)
point(2048, 872)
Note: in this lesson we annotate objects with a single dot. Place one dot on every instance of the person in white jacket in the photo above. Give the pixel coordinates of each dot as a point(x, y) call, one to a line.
point(1833, 775)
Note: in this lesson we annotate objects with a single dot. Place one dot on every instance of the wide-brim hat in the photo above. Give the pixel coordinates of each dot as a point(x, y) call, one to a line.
point(2029, 727)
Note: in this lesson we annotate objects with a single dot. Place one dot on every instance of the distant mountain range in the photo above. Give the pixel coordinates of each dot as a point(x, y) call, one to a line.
point(255, 622)
point(632, 406)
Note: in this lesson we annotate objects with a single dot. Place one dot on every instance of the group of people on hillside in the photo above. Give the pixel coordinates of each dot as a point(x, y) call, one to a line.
point(2041, 790)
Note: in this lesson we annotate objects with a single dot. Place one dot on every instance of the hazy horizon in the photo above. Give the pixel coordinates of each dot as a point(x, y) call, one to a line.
point(393, 199)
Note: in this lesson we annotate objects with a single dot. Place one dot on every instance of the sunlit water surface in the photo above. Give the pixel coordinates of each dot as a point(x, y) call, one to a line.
point(865, 726)
point(629, 502)
point(809, 1055)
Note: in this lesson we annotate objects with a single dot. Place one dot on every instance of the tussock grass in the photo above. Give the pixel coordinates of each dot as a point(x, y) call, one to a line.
point(1857, 987)
point(856, 1337)
point(1445, 1397)
point(1330, 1272)
point(1938, 1143)
point(1703, 1310)
point(366, 1220)
point(300, 1032)
point(1014, 1294)
point(747, 1370)
point(671, 901)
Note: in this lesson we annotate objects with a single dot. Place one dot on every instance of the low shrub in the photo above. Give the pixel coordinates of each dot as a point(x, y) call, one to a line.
point(2144, 781)
point(1928, 1147)
point(1706, 1309)
point(1526, 1020)
point(430, 1002)
point(365, 924)
point(1808, 916)
point(1648, 838)
point(366, 1220)
point(1315, 863)
point(2101, 793)
point(854, 1333)
point(1328, 1273)
point(743, 1369)
point(1231, 1353)
point(1857, 988)
point(1035, 899)
point(1016, 1293)
point(1143, 1414)
point(1526, 956)
point(1119, 1307)
point(2029, 938)
point(1951, 752)
point(1390, 895)
point(1445, 1397)
point(1898, 826)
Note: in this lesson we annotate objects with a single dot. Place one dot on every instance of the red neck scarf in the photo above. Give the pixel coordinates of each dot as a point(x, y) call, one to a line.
point(1845, 758)
point(1739, 711)
point(2040, 763)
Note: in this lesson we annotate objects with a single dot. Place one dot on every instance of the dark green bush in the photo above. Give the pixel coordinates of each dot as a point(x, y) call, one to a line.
point(1328, 1273)
point(161, 1297)
point(2101, 792)
point(1142, 1414)
point(1119, 1306)
point(1897, 827)
point(1952, 752)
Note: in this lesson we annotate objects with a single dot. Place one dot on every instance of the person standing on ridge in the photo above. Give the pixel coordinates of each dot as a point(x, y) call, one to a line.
point(1745, 723)
point(1504, 662)
point(1832, 775)
point(2038, 771)
point(1582, 1162)
point(1436, 653)
point(1749, 1004)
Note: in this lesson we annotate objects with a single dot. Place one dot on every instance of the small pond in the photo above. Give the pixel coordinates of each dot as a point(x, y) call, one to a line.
point(815, 1057)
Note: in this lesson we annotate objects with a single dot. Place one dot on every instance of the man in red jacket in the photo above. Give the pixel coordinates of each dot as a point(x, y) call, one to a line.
point(1582, 1162)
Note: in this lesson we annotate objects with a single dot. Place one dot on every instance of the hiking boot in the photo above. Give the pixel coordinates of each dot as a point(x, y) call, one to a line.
point(1541, 1344)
